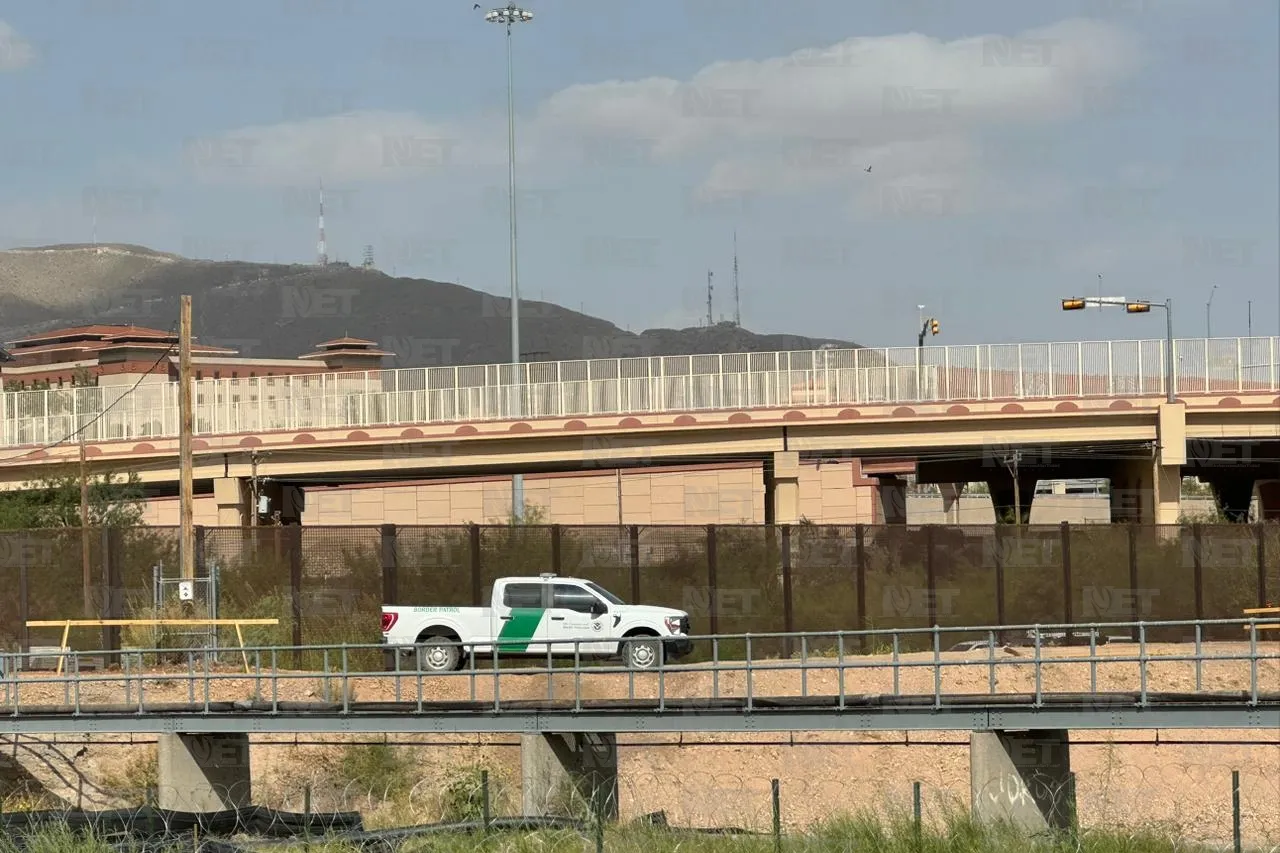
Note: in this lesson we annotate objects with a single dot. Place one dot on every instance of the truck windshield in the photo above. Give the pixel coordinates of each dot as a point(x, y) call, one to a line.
point(604, 593)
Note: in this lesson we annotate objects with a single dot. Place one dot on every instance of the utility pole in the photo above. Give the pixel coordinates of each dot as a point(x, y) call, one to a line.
point(1012, 461)
point(84, 530)
point(186, 487)
point(253, 485)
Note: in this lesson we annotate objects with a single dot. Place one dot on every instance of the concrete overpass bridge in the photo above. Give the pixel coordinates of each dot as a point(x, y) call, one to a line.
point(1000, 413)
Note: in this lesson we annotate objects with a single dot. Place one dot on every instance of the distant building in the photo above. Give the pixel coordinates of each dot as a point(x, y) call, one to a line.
point(123, 354)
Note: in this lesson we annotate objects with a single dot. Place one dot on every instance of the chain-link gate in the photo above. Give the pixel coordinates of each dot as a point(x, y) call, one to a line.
point(196, 598)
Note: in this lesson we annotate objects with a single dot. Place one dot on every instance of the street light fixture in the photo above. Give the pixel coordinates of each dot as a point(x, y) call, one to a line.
point(508, 15)
point(1136, 306)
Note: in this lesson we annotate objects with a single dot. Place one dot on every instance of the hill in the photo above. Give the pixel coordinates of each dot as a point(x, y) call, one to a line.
point(282, 311)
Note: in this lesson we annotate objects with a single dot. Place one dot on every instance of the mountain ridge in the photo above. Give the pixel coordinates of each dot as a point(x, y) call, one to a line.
point(283, 310)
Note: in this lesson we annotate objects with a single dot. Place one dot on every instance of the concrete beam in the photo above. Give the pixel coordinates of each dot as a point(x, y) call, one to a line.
point(568, 774)
point(1023, 777)
point(782, 487)
point(204, 772)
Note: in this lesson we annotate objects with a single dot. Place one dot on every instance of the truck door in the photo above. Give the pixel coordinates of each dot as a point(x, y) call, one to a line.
point(572, 617)
point(520, 619)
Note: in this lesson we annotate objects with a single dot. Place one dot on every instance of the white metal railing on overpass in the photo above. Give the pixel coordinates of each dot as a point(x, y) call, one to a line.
point(643, 385)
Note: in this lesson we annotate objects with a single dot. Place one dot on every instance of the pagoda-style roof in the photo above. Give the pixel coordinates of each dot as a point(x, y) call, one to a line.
point(345, 342)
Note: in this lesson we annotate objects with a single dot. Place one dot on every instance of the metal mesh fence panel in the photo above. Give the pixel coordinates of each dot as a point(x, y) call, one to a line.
point(824, 577)
point(515, 549)
point(326, 584)
point(254, 578)
point(341, 590)
point(600, 554)
point(433, 566)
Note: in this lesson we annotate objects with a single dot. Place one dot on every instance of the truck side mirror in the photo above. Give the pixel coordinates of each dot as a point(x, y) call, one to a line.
point(598, 608)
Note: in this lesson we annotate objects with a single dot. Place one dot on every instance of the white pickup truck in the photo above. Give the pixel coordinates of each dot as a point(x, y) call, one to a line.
point(531, 613)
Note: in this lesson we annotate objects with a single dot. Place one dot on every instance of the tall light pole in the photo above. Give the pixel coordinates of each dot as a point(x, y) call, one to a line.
point(1208, 317)
point(1137, 306)
point(508, 15)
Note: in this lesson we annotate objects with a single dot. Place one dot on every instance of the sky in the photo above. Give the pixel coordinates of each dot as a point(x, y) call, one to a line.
point(1017, 152)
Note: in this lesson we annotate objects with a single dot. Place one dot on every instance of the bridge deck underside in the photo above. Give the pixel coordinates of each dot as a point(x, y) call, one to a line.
point(1121, 710)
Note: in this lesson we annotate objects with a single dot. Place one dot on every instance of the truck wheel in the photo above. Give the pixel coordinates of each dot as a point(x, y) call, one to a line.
point(439, 655)
point(642, 653)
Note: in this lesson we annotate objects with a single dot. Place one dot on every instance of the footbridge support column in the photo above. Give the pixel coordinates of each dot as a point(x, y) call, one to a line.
point(203, 772)
point(565, 773)
point(1023, 777)
point(232, 498)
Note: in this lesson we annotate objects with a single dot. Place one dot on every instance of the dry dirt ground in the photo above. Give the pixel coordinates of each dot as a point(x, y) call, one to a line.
point(1173, 778)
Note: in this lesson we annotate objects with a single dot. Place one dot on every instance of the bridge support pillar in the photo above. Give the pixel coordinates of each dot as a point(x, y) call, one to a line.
point(951, 493)
point(563, 771)
point(1146, 492)
point(892, 505)
point(203, 772)
point(1269, 500)
point(1002, 497)
point(1233, 493)
point(232, 498)
point(1023, 777)
point(783, 487)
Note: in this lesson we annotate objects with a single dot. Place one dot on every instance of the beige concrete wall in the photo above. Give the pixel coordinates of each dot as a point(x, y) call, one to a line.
point(726, 495)
point(163, 512)
point(832, 493)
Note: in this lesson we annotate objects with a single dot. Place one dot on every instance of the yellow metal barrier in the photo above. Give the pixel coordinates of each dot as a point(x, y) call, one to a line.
point(1263, 611)
point(67, 624)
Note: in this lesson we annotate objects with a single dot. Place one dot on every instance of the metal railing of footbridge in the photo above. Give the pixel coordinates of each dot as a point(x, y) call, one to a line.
point(642, 385)
point(919, 680)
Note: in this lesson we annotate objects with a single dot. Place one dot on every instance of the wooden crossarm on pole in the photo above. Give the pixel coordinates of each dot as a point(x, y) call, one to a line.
point(67, 624)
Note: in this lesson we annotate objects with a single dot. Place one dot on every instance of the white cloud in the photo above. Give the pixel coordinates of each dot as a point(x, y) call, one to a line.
point(352, 147)
point(909, 105)
point(913, 107)
point(15, 52)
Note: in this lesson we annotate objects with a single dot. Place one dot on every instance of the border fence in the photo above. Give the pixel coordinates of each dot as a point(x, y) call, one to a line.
point(326, 585)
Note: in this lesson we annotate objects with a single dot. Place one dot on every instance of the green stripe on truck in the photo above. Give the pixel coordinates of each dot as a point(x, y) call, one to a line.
point(519, 629)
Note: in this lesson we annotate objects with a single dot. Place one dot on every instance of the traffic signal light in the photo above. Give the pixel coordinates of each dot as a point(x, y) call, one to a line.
point(1137, 307)
point(1072, 304)
point(933, 326)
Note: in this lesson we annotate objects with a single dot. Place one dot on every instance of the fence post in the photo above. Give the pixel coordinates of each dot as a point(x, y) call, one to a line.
point(390, 579)
point(555, 549)
point(390, 583)
point(112, 591)
point(712, 591)
point(931, 580)
point(1235, 811)
point(474, 530)
point(1260, 532)
point(633, 534)
point(24, 610)
point(777, 814)
point(1197, 566)
point(788, 615)
point(1133, 579)
point(998, 530)
point(1068, 612)
point(860, 581)
point(295, 588)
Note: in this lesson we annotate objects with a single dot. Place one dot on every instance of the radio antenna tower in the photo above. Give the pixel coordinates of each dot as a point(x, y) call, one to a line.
point(737, 304)
point(710, 320)
point(322, 251)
